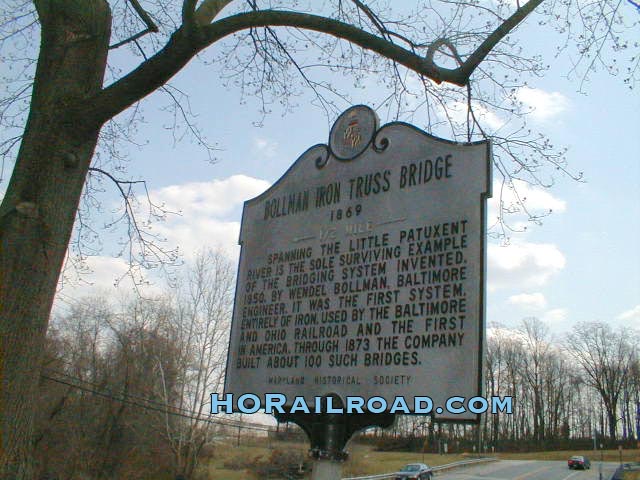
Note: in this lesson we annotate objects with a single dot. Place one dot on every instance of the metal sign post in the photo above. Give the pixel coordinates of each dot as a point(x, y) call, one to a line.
point(329, 434)
point(601, 460)
point(361, 281)
point(620, 453)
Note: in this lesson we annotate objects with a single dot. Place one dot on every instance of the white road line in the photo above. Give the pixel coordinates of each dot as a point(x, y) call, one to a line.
point(533, 472)
point(468, 476)
point(571, 475)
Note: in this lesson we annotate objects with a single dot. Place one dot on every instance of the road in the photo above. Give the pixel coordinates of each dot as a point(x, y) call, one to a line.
point(528, 470)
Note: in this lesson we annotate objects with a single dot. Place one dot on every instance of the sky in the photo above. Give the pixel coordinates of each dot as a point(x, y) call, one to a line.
point(581, 264)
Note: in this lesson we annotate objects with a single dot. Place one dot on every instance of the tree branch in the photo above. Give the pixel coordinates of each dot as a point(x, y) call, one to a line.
point(148, 21)
point(184, 45)
point(480, 53)
point(145, 240)
point(188, 12)
point(132, 38)
point(208, 11)
point(373, 18)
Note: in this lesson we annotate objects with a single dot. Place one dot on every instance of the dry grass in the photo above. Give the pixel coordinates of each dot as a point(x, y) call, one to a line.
point(215, 468)
point(631, 476)
point(607, 455)
point(363, 460)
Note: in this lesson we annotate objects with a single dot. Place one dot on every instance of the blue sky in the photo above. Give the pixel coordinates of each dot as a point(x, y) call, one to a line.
point(581, 264)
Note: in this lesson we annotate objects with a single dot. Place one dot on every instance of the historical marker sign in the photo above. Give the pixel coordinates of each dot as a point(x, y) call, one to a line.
point(362, 270)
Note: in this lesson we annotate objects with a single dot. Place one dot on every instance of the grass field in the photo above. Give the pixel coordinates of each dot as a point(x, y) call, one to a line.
point(607, 455)
point(226, 452)
point(363, 460)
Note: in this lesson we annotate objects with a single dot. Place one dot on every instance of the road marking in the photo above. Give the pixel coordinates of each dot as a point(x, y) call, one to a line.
point(570, 475)
point(470, 476)
point(495, 475)
point(528, 474)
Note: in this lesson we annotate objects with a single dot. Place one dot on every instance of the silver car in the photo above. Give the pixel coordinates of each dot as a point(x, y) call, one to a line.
point(415, 471)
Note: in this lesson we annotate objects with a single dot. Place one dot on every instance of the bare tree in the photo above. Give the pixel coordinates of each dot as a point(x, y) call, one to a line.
point(606, 357)
point(528, 365)
point(632, 399)
point(493, 383)
point(199, 330)
point(99, 389)
point(151, 368)
point(65, 110)
point(537, 347)
point(506, 357)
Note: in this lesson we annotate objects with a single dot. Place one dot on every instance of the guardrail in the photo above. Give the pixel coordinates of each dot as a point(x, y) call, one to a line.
point(383, 476)
point(439, 468)
point(462, 463)
point(626, 467)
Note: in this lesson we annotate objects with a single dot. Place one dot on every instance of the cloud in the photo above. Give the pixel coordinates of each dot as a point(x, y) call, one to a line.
point(535, 198)
point(523, 264)
point(556, 315)
point(209, 217)
point(94, 273)
point(532, 301)
point(542, 105)
point(539, 104)
point(102, 276)
point(214, 199)
point(485, 116)
point(265, 147)
point(498, 331)
point(457, 111)
point(632, 315)
point(536, 303)
point(520, 200)
point(209, 213)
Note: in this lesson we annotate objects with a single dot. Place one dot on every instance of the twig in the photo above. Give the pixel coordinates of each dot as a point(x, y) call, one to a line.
point(148, 21)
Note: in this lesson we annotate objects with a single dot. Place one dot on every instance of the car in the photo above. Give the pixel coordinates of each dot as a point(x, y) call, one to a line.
point(414, 471)
point(578, 461)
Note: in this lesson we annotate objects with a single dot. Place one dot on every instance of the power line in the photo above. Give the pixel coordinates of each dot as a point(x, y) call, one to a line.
point(144, 399)
point(163, 405)
point(190, 415)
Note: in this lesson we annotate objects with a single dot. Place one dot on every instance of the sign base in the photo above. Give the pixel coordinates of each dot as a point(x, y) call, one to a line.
point(329, 433)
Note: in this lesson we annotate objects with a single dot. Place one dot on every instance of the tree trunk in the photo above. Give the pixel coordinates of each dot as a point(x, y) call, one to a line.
point(38, 210)
point(613, 422)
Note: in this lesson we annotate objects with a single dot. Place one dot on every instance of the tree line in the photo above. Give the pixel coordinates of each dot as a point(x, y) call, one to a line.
point(65, 98)
point(585, 384)
point(573, 391)
point(125, 384)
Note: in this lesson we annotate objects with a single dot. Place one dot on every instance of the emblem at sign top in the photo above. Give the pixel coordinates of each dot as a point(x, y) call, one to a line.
point(352, 133)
